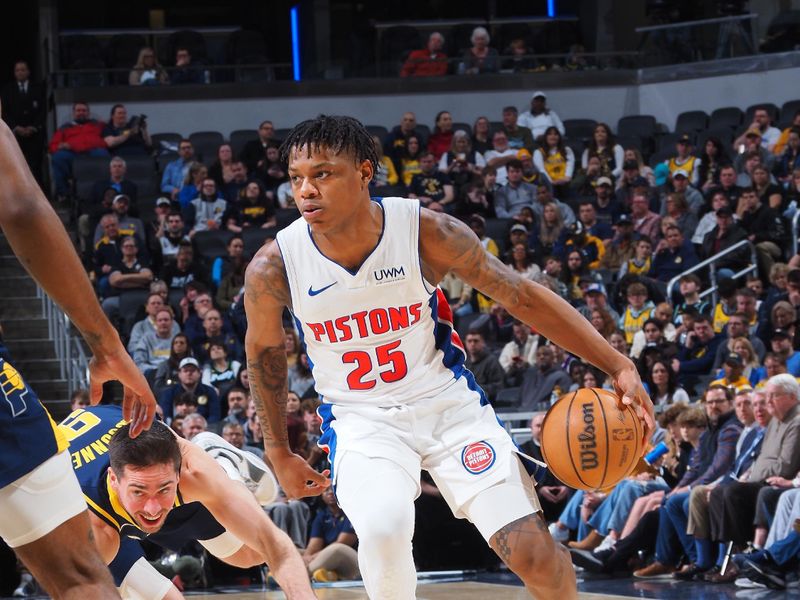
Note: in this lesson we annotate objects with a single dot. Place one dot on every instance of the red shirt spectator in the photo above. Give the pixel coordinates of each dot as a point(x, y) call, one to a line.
point(82, 133)
point(429, 62)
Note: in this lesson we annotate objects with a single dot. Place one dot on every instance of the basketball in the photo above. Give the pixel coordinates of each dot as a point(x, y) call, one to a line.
point(588, 442)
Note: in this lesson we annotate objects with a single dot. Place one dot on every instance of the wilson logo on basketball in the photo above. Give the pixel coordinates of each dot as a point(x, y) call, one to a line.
point(478, 457)
point(588, 439)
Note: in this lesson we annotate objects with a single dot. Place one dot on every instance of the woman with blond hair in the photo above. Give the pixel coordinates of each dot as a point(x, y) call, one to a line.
point(147, 70)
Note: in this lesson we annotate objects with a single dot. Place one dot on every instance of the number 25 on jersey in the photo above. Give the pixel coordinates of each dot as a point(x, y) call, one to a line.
point(365, 376)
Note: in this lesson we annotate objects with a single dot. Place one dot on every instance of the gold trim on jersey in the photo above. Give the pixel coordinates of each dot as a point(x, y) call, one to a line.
point(116, 504)
point(101, 513)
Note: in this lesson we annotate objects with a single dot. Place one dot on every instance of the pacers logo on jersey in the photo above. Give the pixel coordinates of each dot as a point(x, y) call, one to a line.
point(13, 389)
point(478, 457)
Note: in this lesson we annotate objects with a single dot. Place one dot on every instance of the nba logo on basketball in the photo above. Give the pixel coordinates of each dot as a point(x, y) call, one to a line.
point(477, 457)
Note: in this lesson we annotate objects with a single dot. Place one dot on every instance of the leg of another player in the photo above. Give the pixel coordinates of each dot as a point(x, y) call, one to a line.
point(66, 563)
point(525, 545)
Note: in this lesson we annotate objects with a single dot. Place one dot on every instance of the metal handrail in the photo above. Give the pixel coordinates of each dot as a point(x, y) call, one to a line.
point(795, 221)
point(709, 262)
point(72, 360)
point(685, 24)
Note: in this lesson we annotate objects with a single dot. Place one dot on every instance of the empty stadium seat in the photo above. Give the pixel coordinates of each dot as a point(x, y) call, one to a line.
point(281, 134)
point(211, 244)
point(724, 135)
point(86, 170)
point(643, 126)
point(579, 129)
point(79, 47)
point(253, 69)
point(255, 238)
point(730, 116)
point(507, 398)
point(788, 110)
point(660, 156)
point(395, 44)
point(691, 121)
point(240, 137)
point(123, 52)
point(284, 216)
point(244, 43)
point(87, 72)
point(206, 144)
point(378, 130)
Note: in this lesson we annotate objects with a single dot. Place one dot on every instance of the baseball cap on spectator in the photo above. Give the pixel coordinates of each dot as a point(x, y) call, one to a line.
point(780, 333)
point(661, 171)
point(120, 198)
point(685, 139)
point(724, 211)
point(577, 228)
point(640, 182)
point(519, 227)
point(539, 94)
point(624, 220)
point(523, 154)
point(163, 201)
point(477, 219)
point(753, 132)
point(680, 173)
point(603, 181)
point(733, 359)
point(189, 362)
point(596, 288)
point(629, 165)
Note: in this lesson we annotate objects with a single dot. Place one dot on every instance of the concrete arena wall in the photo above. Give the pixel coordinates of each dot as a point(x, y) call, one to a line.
point(665, 100)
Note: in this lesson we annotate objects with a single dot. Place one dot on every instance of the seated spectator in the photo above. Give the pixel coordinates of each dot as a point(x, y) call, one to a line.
point(253, 211)
point(515, 193)
point(577, 277)
point(461, 163)
point(546, 236)
point(207, 399)
point(481, 135)
point(679, 182)
point(553, 494)
point(544, 382)
point(662, 385)
point(238, 399)
point(483, 365)
point(638, 309)
point(575, 237)
point(428, 62)
point(783, 140)
point(789, 160)
point(273, 172)
point(519, 57)
point(219, 371)
point(555, 160)
point(544, 195)
point(737, 329)
point(80, 136)
point(633, 155)
point(621, 247)
point(595, 297)
point(231, 287)
point(233, 433)
point(726, 233)
point(117, 170)
point(107, 251)
point(762, 124)
point(154, 304)
point(519, 137)
point(222, 264)
point(645, 222)
point(677, 210)
point(186, 71)
point(386, 174)
point(478, 226)
point(733, 373)
point(233, 190)
point(330, 554)
point(604, 147)
point(254, 152)
point(540, 117)
point(696, 354)
point(674, 255)
point(167, 372)
point(500, 155)
point(126, 138)
point(750, 155)
point(171, 236)
point(127, 224)
point(442, 136)
point(213, 332)
point(684, 160)
point(480, 58)
point(408, 159)
point(221, 170)
point(154, 347)
point(184, 270)
point(301, 381)
point(193, 422)
point(712, 160)
point(196, 174)
point(130, 273)
point(781, 346)
point(530, 174)
point(176, 172)
point(627, 184)
point(432, 187)
point(147, 70)
point(205, 212)
point(519, 354)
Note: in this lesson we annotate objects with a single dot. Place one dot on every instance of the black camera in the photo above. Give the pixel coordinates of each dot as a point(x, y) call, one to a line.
point(139, 121)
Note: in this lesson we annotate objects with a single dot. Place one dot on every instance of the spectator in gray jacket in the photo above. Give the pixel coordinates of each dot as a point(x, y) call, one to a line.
point(515, 194)
point(154, 346)
point(542, 381)
point(204, 213)
point(155, 303)
point(483, 364)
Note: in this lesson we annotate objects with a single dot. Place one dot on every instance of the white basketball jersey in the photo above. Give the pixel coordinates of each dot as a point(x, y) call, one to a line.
point(380, 335)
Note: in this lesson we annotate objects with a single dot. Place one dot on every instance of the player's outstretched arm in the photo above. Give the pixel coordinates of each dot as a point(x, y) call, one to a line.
point(447, 243)
point(237, 510)
point(42, 245)
point(266, 294)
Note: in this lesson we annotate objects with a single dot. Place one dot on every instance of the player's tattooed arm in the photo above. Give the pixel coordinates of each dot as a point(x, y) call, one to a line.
point(266, 294)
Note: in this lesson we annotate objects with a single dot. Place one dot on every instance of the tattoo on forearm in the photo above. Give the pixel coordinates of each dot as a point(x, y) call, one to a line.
point(525, 530)
point(268, 387)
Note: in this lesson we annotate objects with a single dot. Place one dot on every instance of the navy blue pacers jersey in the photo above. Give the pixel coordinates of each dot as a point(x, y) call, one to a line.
point(28, 436)
point(88, 431)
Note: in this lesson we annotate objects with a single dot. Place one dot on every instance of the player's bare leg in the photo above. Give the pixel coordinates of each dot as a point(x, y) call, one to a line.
point(527, 548)
point(66, 563)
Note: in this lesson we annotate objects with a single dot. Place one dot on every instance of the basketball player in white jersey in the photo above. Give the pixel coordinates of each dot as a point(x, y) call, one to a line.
point(43, 514)
point(359, 276)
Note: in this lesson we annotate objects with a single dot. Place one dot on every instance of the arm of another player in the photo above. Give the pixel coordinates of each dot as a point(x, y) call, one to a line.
point(448, 243)
point(266, 294)
point(236, 509)
point(37, 237)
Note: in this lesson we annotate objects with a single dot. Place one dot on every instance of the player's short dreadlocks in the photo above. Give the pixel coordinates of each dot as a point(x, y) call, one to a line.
point(336, 133)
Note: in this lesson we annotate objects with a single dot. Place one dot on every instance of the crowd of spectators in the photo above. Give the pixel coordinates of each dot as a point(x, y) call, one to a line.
point(597, 227)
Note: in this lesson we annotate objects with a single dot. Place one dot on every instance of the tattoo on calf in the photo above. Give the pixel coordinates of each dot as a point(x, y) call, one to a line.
point(522, 531)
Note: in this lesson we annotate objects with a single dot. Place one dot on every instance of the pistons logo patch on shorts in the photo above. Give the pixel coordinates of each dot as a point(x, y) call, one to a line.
point(478, 457)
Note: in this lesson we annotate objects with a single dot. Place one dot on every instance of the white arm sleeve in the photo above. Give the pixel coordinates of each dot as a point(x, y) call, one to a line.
point(143, 582)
